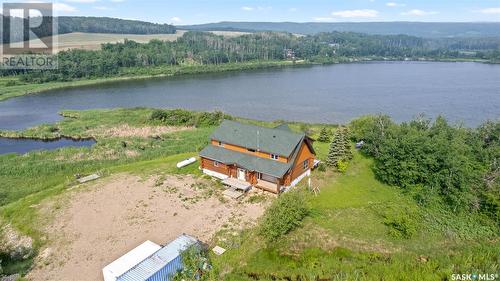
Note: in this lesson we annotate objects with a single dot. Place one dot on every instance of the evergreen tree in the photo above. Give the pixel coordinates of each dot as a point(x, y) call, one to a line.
point(337, 149)
point(324, 135)
point(340, 147)
point(347, 143)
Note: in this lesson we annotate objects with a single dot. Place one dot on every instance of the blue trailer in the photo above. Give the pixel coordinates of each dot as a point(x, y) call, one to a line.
point(161, 265)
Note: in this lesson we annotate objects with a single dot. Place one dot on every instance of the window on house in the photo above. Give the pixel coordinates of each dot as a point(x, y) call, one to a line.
point(305, 164)
point(251, 149)
point(274, 156)
point(216, 164)
point(221, 144)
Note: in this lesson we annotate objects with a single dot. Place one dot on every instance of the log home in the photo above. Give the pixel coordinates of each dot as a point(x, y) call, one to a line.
point(272, 159)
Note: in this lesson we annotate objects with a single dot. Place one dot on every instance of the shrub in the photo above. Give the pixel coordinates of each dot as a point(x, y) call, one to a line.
point(180, 117)
point(342, 165)
point(10, 83)
point(285, 214)
point(195, 265)
point(158, 115)
point(206, 119)
point(402, 224)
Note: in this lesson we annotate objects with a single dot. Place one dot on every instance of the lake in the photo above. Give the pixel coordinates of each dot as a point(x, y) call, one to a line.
point(8, 145)
point(462, 92)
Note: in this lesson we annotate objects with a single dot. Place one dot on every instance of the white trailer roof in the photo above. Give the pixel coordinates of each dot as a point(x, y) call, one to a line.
point(129, 260)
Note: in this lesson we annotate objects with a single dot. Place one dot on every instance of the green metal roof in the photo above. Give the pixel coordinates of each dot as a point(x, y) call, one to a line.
point(246, 161)
point(277, 141)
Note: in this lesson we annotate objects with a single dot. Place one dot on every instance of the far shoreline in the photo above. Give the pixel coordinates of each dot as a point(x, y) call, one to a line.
point(179, 71)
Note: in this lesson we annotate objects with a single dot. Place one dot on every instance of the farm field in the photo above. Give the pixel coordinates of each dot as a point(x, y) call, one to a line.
point(93, 41)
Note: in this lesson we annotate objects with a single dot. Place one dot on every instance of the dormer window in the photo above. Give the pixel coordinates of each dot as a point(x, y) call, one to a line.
point(274, 156)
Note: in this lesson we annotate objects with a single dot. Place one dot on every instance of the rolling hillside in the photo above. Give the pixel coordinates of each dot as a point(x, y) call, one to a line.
point(420, 29)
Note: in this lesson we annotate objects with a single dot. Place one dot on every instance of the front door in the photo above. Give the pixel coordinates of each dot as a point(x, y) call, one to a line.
point(241, 174)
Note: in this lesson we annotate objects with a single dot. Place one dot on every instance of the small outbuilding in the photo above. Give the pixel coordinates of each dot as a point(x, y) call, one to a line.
point(160, 264)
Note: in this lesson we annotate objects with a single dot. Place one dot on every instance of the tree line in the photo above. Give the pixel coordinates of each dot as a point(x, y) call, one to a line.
point(202, 48)
point(82, 24)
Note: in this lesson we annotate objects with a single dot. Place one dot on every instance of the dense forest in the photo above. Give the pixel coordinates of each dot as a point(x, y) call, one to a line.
point(201, 48)
point(87, 24)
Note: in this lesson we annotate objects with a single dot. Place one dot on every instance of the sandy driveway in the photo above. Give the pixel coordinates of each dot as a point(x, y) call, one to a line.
point(104, 220)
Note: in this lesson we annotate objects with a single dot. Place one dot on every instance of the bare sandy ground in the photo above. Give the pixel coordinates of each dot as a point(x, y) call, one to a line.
point(102, 221)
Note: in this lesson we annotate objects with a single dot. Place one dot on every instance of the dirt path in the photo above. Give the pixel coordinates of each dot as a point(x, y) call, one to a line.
point(105, 220)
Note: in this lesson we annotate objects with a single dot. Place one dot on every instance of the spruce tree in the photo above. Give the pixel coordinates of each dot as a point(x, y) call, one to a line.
point(337, 149)
point(340, 147)
point(347, 143)
point(324, 135)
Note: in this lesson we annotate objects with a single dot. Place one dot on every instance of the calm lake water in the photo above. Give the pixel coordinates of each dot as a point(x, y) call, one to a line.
point(21, 146)
point(463, 92)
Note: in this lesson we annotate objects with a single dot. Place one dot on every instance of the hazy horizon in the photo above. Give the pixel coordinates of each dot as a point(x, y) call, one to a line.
point(202, 12)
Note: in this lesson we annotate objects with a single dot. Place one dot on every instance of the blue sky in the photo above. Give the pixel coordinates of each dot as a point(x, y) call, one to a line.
point(192, 12)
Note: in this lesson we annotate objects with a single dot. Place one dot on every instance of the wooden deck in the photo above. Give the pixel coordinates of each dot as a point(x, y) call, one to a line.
point(237, 184)
point(267, 186)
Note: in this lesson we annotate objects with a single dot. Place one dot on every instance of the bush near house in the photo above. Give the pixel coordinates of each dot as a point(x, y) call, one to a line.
point(285, 214)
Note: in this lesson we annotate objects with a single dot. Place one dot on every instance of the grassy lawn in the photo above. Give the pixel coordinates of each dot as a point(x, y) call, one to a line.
point(345, 238)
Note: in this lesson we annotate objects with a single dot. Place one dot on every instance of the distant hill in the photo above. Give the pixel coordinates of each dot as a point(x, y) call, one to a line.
point(111, 25)
point(99, 25)
point(420, 29)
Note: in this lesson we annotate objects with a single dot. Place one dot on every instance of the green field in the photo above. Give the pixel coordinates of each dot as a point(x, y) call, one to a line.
point(346, 236)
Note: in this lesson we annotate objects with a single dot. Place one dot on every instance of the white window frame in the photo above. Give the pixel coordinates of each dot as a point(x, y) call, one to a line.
point(221, 144)
point(305, 164)
point(216, 163)
point(274, 156)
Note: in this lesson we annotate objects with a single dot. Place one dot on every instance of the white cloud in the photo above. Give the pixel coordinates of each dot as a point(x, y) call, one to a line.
point(61, 7)
point(363, 13)
point(258, 8)
point(323, 19)
point(293, 10)
point(175, 19)
point(117, 1)
point(490, 11)
point(418, 13)
point(394, 4)
point(102, 8)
